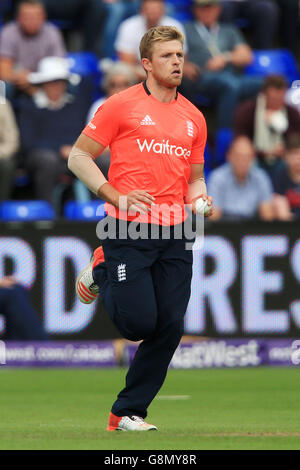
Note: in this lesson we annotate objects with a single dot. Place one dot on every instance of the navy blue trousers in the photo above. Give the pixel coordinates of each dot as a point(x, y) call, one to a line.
point(145, 287)
point(21, 320)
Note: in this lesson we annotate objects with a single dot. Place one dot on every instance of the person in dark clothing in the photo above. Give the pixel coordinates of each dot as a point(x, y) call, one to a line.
point(268, 121)
point(20, 317)
point(287, 183)
point(220, 54)
point(89, 14)
point(49, 124)
point(256, 11)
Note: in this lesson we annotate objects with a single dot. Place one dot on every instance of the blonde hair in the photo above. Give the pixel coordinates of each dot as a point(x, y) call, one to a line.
point(158, 34)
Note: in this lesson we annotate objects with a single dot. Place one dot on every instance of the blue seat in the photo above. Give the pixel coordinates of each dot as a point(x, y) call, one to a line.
point(277, 61)
point(180, 9)
point(208, 159)
point(84, 63)
point(223, 140)
point(92, 210)
point(26, 211)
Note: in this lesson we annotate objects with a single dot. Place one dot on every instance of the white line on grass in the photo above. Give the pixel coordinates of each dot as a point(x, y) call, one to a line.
point(173, 397)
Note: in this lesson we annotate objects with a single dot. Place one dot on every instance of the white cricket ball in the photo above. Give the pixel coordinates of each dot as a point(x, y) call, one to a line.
point(202, 206)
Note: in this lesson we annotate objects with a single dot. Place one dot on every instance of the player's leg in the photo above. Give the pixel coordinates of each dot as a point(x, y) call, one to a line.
point(120, 269)
point(128, 295)
point(171, 276)
point(126, 288)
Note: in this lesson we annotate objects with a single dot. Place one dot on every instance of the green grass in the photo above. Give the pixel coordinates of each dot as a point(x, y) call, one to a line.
point(225, 409)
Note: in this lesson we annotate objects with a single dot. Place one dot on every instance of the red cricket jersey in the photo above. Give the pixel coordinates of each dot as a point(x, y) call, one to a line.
point(152, 146)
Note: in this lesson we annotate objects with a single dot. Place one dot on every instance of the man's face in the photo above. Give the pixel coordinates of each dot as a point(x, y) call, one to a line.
point(207, 15)
point(118, 83)
point(153, 10)
point(166, 64)
point(54, 90)
point(293, 160)
point(31, 18)
point(241, 158)
point(275, 98)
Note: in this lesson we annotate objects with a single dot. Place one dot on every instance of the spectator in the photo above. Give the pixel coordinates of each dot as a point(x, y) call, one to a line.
point(21, 320)
point(131, 31)
point(267, 121)
point(9, 143)
point(90, 14)
point(262, 15)
point(50, 123)
point(116, 12)
point(220, 53)
point(24, 42)
point(241, 190)
point(118, 77)
point(287, 183)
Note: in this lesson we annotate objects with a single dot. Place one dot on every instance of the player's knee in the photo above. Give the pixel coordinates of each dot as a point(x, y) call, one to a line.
point(135, 332)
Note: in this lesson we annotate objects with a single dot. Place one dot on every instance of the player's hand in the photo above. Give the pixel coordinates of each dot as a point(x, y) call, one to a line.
point(138, 201)
point(209, 200)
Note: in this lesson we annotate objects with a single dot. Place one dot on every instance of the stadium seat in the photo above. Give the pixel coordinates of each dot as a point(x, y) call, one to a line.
point(223, 140)
point(26, 211)
point(277, 61)
point(84, 64)
point(209, 160)
point(180, 9)
point(92, 210)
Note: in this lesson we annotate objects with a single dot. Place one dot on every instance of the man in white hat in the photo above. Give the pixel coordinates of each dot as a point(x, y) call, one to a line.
point(50, 122)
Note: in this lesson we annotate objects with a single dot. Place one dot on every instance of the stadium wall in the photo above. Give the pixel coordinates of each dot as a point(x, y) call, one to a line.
point(245, 283)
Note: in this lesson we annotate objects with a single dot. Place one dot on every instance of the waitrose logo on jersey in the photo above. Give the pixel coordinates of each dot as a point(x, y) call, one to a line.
point(163, 148)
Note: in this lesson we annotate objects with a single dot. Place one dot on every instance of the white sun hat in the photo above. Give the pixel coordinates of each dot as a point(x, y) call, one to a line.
point(51, 69)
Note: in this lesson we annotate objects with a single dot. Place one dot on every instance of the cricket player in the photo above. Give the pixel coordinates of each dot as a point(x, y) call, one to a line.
point(157, 140)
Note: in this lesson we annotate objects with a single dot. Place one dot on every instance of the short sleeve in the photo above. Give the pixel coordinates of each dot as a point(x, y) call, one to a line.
point(104, 126)
point(216, 189)
point(127, 38)
point(234, 37)
point(197, 154)
point(7, 43)
point(265, 189)
point(56, 44)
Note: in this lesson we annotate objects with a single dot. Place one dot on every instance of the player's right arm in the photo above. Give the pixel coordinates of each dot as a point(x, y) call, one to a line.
point(81, 163)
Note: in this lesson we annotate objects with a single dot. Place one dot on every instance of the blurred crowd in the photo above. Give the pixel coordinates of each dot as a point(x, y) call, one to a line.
point(47, 105)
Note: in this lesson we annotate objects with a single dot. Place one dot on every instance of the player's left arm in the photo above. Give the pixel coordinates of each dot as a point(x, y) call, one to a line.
point(197, 187)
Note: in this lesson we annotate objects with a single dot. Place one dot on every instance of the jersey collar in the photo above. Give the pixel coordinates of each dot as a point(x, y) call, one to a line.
point(148, 91)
